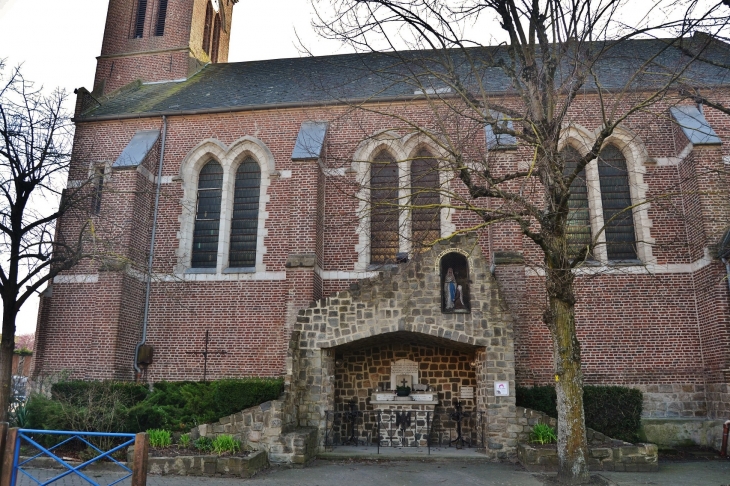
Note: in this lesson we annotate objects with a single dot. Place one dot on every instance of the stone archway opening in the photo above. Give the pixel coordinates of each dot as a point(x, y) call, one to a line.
point(365, 367)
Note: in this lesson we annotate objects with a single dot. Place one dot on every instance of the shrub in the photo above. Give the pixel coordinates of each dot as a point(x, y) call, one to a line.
point(226, 443)
point(543, 434)
point(181, 405)
point(203, 444)
point(88, 409)
point(232, 396)
point(614, 411)
point(107, 406)
point(540, 398)
point(159, 437)
point(611, 410)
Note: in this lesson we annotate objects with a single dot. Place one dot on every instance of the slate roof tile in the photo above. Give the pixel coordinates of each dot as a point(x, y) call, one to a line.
point(378, 76)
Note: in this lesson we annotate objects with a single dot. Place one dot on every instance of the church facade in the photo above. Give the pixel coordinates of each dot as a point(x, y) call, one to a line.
point(245, 181)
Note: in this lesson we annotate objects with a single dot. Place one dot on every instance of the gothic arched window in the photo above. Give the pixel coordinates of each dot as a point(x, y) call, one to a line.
point(425, 199)
point(207, 216)
point(384, 213)
point(616, 197)
point(245, 219)
point(579, 220)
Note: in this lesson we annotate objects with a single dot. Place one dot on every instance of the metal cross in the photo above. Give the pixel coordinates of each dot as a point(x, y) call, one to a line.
point(404, 382)
point(205, 354)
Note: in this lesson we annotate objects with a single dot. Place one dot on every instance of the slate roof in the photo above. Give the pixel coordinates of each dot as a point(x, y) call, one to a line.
point(382, 76)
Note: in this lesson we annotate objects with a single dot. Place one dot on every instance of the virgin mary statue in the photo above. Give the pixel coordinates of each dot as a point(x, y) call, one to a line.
point(452, 292)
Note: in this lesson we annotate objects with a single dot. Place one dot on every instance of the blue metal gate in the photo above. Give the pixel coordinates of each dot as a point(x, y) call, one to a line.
point(27, 436)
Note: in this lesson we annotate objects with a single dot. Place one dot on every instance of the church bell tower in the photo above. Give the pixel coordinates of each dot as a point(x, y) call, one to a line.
point(161, 40)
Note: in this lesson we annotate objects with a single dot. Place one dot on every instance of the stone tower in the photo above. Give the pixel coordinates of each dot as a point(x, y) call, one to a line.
point(161, 40)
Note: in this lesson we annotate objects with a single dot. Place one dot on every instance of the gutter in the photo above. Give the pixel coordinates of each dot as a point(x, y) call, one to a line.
point(145, 318)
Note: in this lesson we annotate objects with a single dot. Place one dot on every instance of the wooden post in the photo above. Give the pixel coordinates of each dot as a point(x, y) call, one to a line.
point(3, 436)
point(139, 469)
point(6, 474)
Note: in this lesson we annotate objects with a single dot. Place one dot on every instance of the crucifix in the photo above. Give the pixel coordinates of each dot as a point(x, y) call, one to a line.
point(205, 354)
point(404, 382)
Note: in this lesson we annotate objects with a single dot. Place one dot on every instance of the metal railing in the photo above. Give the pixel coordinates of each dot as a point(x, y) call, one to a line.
point(29, 437)
point(405, 428)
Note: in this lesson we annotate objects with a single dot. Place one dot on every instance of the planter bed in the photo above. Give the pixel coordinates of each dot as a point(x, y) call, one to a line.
point(614, 456)
point(238, 465)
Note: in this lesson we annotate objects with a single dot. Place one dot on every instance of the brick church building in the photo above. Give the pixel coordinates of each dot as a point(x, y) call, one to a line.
point(249, 184)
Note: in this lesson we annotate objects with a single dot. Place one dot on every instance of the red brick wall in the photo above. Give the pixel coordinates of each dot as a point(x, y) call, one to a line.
point(175, 55)
point(637, 329)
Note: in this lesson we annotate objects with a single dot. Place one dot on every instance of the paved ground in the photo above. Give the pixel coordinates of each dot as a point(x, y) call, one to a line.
point(416, 473)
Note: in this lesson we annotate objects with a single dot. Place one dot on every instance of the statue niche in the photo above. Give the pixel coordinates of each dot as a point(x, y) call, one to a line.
point(454, 283)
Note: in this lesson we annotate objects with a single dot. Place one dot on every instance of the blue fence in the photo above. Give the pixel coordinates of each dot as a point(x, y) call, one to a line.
point(27, 436)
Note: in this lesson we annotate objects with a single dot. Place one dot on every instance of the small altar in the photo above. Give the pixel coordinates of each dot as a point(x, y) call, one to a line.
point(414, 401)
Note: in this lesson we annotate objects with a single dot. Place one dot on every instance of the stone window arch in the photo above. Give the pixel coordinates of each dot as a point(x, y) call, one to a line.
point(615, 179)
point(207, 216)
point(430, 223)
point(243, 215)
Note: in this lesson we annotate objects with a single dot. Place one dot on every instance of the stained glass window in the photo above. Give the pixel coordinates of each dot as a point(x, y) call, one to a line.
point(207, 216)
point(579, 220)
point(384, 211)
point(245, 220)
point(616, 198)
point(425, 199)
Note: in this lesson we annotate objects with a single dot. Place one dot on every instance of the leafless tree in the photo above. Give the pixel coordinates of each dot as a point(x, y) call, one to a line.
point(35, 151)
point(554, 54)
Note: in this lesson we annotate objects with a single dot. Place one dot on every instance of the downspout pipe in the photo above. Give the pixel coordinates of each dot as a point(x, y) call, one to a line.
point(145, 318)
point(727, 270)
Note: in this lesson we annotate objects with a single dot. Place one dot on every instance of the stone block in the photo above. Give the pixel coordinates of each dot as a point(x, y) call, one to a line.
point(601, 452)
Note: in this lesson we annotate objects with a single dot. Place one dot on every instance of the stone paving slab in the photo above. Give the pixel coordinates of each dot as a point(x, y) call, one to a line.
point(412, 473)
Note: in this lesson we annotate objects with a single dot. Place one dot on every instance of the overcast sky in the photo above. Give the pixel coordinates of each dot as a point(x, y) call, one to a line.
point(57, 42)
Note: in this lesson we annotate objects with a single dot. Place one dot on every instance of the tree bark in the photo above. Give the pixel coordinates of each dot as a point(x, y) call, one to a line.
point(7, 347)
point(572, 443)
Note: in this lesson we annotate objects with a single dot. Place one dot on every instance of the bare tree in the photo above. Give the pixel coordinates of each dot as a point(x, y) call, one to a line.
point(555, 53)
point(35, 151)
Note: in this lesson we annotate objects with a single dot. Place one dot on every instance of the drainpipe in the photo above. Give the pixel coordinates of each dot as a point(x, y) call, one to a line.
point(137, 370)
point(727, 270)
point(725, 432)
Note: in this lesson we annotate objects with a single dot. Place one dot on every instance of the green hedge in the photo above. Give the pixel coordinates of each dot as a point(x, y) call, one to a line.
point(129, 407)
point(612, 410)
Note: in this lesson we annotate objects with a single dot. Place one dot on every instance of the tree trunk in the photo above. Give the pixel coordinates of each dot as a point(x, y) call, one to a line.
point(7, 347)
point(572, 444)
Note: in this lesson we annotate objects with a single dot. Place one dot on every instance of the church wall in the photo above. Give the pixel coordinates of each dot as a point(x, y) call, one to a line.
point(244, 319)
point(636, 329)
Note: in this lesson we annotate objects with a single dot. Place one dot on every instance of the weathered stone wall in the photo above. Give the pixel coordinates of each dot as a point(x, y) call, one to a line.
point(407, 299)
point(268, 427)
point(361, 371)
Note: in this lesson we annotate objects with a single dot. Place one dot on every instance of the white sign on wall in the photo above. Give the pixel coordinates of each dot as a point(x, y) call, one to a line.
point(501, 388)
point(466, 392)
